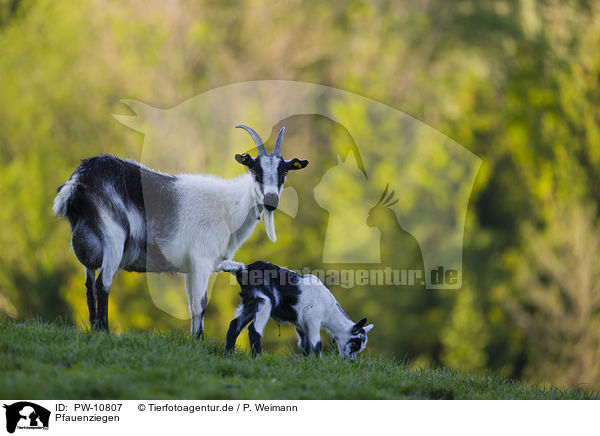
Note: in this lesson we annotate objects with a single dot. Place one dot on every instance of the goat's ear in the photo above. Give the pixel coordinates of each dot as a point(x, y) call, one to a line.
point(369, 327)
point(359, 325)
point(296, 164)
point(244, 159)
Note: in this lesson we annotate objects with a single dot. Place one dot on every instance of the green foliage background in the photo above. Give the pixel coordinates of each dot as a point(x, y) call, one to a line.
point(516, 82)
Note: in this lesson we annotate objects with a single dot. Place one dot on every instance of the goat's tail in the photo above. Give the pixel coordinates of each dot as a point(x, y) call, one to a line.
point(231, 266)
point(64, 195)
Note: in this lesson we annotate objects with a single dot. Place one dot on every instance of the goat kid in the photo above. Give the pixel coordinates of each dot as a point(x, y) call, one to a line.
point(125, 215)
point(269, 291)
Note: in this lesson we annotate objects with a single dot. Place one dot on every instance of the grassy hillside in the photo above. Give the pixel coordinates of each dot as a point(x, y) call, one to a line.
point(41, 360)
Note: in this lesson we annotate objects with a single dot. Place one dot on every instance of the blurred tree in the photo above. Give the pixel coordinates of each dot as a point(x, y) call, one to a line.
point(466, 337)
point(557, 296)
point(514, 81)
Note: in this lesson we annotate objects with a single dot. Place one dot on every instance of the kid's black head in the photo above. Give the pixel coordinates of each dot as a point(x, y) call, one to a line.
point(351, 344)
point(268, 169)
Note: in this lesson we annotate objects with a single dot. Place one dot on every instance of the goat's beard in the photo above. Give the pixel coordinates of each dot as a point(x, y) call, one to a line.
point(270, 225)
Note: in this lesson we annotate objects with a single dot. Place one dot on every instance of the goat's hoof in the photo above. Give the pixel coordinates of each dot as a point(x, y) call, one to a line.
point(100, 326)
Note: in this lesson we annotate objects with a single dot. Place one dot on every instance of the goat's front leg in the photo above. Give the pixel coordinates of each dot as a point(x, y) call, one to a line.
point(255, 330)
point(314, 339)
point(303, 341)
point(196, 285)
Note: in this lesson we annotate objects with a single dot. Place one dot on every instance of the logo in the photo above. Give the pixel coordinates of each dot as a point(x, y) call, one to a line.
point(384, 193)
point(26, 415)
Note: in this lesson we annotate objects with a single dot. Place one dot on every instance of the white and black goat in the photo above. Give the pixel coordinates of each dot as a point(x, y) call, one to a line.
point(269, 291)
point(124, 215)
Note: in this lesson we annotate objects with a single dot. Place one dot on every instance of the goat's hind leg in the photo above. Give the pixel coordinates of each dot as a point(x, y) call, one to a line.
point(111, 259)
point(90, 275)
point(241, 320)
point(87, 247)
point(255, 330)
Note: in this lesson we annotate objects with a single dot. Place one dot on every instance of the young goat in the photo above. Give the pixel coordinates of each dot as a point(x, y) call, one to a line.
point(124, 215)
point(302, 300)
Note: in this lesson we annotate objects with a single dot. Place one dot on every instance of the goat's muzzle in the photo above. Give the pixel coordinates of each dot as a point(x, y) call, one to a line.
point(271, 201)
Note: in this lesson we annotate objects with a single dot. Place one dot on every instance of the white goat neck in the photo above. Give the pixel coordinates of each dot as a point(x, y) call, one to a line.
point(241, 203)
point(336, 321)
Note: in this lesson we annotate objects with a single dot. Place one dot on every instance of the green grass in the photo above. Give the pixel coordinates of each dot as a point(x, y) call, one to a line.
point(47, 361)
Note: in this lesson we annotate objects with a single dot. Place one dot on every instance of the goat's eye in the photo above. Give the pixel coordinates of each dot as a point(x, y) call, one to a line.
point(285, 173)
point(254, 172)
point(355, 344)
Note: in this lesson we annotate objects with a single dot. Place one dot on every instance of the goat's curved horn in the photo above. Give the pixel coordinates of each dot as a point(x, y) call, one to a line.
point(255, 136)
point(277, 151)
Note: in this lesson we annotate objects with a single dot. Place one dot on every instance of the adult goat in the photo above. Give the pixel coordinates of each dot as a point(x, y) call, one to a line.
point(125, 215)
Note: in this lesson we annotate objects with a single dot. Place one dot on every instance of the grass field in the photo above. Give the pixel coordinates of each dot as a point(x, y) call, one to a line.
point(47, 361)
